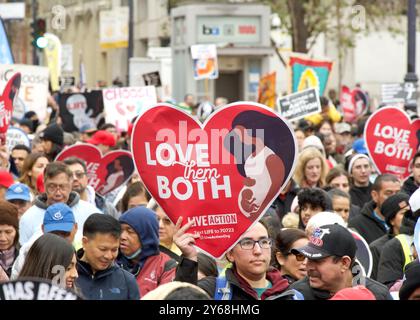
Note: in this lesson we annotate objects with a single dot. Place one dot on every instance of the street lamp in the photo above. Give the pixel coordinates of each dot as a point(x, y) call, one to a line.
point(411, 78)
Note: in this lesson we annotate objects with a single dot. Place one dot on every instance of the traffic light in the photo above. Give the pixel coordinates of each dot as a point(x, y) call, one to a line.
point(39, 27)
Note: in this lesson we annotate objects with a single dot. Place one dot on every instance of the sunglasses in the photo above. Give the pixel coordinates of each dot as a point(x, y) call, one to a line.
point(299, 256)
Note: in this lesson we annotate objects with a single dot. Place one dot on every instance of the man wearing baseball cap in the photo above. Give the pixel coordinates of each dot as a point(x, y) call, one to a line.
point(19, 195)
point(58, 219)
point(331, 265)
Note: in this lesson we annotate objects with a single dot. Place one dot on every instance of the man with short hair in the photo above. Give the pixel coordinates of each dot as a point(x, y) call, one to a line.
point(19, 195)
point(393, 209)
point(99, 277)
point(249, 278)
point(58, 219)
point(139, 250)
point(370, 223)
point(331, 265)
point(87, 193)
point(58, 181)
point(19, 154)
point(360, 169)
point(412, 183)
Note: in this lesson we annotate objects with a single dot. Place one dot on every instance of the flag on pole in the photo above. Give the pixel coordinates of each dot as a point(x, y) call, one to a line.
point(82, 74)
point(6, 56)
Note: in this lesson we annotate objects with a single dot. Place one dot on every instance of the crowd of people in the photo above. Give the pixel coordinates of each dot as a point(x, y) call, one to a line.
point(122, 245)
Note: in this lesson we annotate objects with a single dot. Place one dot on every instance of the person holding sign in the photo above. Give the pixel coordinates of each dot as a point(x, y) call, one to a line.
point(249, 278)
point(264, 166)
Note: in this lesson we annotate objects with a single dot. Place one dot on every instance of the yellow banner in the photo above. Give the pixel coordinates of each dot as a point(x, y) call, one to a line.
point(53, 55)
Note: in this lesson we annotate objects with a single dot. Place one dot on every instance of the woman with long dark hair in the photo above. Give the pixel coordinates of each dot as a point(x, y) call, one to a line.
point(48, 256)
point(267, 153)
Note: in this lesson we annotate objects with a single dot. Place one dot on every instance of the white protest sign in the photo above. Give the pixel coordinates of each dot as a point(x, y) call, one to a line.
point(123, 104)
point(15, 136)
point(33, 91)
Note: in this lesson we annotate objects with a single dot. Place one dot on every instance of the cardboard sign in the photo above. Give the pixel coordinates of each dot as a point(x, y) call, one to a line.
point(392, 139)
point(81, 110)
point(34, 289)
point(299, 105)
point(123, 104)
point(33, 91)
point(399, 93)
point(105, 173)
point(152, 79)
point(16, 136)
point(205, 61)
point(214, 173)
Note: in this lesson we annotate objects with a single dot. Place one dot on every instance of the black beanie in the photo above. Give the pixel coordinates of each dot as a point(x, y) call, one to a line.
point(393, 204)
point(53, 133)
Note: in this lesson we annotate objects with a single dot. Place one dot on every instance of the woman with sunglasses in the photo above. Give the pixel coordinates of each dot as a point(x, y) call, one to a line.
point(292, 267)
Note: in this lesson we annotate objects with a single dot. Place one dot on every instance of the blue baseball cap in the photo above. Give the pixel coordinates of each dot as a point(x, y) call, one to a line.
point(18, 191)
point(58, 217)
point(359, 146)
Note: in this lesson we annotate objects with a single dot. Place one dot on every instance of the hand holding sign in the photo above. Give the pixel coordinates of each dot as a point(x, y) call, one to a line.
point(392, 140)
point(199, 171)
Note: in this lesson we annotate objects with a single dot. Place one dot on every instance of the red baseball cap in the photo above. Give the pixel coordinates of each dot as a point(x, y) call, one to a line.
point(102, 137)
point(6, 179)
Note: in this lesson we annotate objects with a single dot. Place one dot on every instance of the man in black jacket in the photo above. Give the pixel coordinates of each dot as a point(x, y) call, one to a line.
point(412, 183)
point(250, 277)
point(370, 224)
point(331, 265)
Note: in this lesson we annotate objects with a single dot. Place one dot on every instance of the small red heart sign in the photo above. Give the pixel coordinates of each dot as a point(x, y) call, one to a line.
point(392, 139)
point(10, 93)
point(222, 174)
point(105, 173)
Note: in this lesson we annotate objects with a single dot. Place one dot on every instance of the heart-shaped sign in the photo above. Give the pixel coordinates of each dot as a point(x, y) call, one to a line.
point(7, 100)
point(222, 174)
point(105, 173)
point(392, 139)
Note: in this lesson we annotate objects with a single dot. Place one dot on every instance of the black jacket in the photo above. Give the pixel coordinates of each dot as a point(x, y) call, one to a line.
point(360, 195)
point(392, 260)
point(409, 186)
point(241, 290)
point(367, 225)
point(283, 203)
point(379, 290)
point(113, 283)
point(376, 248)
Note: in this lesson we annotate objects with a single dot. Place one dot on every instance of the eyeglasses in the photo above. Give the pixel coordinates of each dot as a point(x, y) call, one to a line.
point(79, 174)
point(51, 188)
point(249, 244)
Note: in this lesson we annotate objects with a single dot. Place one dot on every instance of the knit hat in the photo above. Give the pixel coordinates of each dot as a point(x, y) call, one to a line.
point(412, 280)
point(102, 137)
point(393, 204)
point(9, 214)
point(53, 133)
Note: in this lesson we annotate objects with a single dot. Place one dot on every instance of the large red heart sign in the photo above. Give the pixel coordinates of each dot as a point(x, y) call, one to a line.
point(7, 99)
point(222, 174)
point(105, 173)
point(392, 139)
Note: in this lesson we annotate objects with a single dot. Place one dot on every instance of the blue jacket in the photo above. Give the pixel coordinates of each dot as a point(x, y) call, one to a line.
point(113, 283)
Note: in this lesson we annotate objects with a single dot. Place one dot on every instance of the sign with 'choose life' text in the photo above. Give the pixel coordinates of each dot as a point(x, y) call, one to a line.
point(222, 174)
